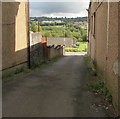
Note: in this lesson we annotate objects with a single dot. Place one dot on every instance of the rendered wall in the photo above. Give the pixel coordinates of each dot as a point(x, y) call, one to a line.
point(104, 46)
point(55, 51)
point(35, 38)
point(15, 33)
point(112, 53)
point(92, 41)
point(101, 37)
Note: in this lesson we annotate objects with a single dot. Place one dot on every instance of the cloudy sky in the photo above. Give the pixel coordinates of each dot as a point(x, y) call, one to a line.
point(58, 9)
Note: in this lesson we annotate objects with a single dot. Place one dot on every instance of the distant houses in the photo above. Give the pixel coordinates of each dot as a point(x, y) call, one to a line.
point(54, 21)
point(81, 23)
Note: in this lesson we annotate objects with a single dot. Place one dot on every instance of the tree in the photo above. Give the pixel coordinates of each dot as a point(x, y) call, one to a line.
point(33, 27)
point(68, 34)
point(47, 34)
point(84, 37)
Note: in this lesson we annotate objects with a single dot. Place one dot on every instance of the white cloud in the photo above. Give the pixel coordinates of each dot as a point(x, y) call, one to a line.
point(59, 1)
point(61, 9)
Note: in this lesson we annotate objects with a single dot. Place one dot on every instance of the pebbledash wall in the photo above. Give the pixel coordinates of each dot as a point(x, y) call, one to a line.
point(15, 34)
point(104, 35)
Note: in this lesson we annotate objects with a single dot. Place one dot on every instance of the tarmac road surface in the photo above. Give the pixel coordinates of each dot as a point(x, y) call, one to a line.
point(57, 90)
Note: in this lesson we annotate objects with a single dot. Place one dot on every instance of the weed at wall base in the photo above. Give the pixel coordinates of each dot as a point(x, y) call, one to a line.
point(19, 70)
point(39, 64)
point(99, 87)
point(15, 71)
point(23, 69)
point(95, 82)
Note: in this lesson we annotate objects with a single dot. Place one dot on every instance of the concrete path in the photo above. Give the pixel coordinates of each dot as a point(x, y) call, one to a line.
point(57, 90)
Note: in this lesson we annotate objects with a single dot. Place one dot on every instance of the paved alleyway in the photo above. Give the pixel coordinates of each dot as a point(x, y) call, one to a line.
point(57, 90)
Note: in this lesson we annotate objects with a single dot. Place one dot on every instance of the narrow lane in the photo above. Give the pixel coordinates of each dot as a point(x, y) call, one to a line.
point(58, 90)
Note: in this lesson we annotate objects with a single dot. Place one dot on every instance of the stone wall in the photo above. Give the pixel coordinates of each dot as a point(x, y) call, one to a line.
point(39, 52)
point(36, 49)
point(36, 54)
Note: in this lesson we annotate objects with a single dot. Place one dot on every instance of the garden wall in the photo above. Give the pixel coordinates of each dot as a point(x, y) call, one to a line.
point(39, 52)
point(54, 51)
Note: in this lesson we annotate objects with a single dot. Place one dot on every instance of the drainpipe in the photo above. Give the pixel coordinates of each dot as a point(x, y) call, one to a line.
point(107, 44)
point(28, 6)
point(118, 59)
point(64, 35)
